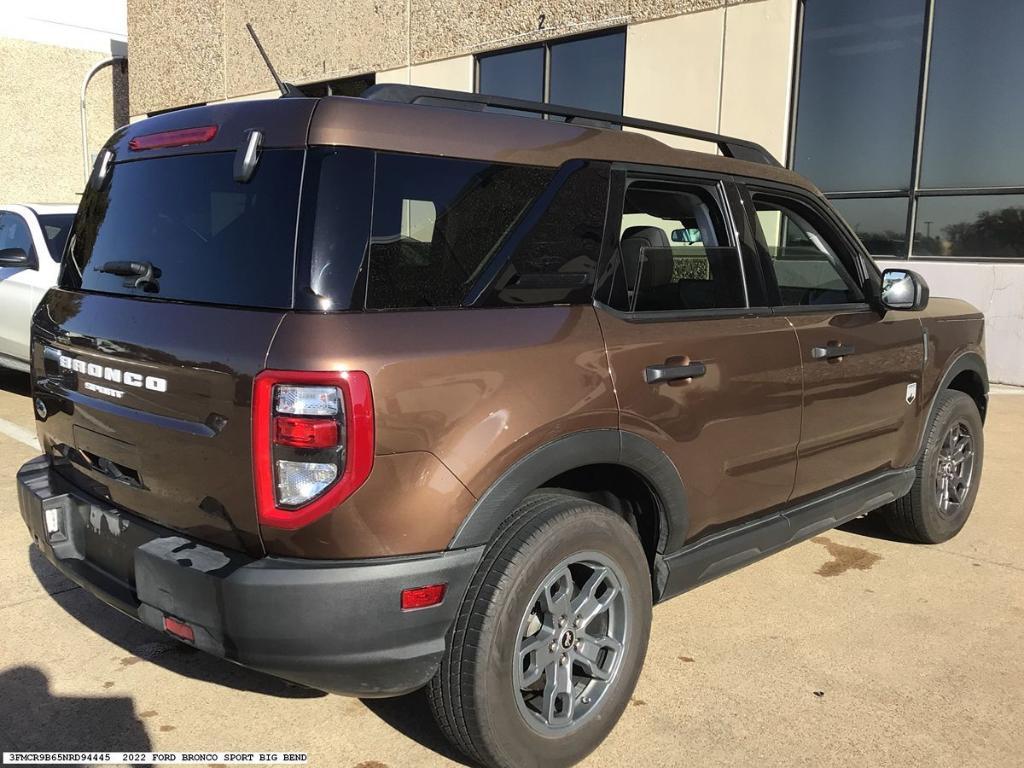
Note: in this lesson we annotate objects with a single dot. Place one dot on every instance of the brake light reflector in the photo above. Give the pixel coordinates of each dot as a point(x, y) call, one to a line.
point(423, 597)
point(305, 433)
point(180, 137)
point(313, 443)
point(179, 629)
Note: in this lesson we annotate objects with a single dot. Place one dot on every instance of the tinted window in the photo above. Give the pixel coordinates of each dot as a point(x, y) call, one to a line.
point(674, 252)
point(212, 239)
point(589, 72)
point(880, 223)
point(554, 251)
point(804, 255)
point(437, 222)
point(972, 227)
point(514, 74)
point(973, 135)
point(859, 73)
point(335, 228)
point(14, 232)
point(56, 228)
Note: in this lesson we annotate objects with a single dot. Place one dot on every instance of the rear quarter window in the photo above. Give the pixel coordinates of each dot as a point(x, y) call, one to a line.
point(212, 239)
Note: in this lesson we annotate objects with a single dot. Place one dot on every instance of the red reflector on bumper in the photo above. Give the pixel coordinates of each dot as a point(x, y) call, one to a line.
point(422, 597)
point(179, 629)
point(303, 432)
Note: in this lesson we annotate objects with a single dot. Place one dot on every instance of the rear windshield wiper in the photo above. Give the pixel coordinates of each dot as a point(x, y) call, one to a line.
point(144, 272)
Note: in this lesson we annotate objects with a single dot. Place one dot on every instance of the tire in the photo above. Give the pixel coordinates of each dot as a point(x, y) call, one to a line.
point(920, 515)
point(476, 695)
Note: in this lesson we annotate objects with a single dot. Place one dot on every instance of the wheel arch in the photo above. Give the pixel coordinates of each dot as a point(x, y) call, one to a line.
point(561, 465)
point(967, 373)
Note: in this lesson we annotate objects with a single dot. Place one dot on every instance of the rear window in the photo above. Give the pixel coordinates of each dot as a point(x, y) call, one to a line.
point(208, 238)
point(56, 228)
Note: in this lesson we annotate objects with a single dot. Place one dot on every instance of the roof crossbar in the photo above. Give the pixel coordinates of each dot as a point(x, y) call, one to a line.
point(740, 149)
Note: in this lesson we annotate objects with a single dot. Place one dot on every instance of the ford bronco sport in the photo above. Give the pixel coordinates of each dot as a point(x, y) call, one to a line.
point(405, 390)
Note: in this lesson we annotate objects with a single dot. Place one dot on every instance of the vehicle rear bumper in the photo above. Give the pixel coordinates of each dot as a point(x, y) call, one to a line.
point(333, 625)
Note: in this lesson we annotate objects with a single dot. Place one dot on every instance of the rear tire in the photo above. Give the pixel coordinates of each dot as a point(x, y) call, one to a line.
point(948, 474)
point(518, 686)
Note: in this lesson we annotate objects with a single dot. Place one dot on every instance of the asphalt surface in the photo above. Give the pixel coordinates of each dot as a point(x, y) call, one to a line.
point(850, 649)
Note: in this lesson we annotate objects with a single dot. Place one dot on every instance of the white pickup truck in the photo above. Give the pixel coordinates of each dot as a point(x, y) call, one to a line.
point(32, 240)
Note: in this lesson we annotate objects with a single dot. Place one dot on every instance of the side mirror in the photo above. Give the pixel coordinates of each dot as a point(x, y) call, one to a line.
point(15, 257)
point(903, 289)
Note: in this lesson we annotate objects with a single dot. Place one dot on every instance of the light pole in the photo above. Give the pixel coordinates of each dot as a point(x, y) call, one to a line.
point(85, 133)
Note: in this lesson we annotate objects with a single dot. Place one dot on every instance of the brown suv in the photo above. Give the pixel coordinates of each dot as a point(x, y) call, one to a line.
point(407, 390)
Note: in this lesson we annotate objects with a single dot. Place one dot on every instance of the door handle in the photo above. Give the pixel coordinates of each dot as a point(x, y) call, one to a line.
point(832, 350)
point(654, 374)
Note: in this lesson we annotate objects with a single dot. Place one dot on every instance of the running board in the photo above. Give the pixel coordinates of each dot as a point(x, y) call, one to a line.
point(722, 553)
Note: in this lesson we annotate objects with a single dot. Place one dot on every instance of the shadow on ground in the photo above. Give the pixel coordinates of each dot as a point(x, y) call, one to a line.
point(141, 643)
point(32, 719)
point(410, 715)
point(14, 382)
point(872, 526)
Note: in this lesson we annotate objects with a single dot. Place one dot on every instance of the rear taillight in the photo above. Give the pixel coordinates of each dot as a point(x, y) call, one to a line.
point(312, 443)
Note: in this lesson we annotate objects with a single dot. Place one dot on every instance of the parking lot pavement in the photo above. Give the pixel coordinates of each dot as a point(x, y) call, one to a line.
point(850, 649)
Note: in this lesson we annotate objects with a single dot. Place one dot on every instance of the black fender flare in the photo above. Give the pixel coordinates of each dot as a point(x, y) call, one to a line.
point(595, 446)
point(966, 361)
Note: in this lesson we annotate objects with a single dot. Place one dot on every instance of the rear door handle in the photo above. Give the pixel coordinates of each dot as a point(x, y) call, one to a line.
point(832, 351)
point(657, 373)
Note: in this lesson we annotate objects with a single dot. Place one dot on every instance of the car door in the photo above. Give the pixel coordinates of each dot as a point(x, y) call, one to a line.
point(861, 367)
point(18, 288)
point(701, 367)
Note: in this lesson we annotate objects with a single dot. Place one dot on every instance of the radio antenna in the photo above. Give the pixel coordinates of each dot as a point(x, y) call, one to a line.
point(286, 89)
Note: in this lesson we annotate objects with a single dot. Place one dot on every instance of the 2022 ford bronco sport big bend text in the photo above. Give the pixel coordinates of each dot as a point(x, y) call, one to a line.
point(388, 392)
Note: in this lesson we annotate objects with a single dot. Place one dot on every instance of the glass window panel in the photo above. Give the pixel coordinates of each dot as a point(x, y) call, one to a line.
point(589, 72)
point(437, 222)
point(979, 226)
point(859, 75)
point(880, 223)
point(973, 135)
point(514, 74)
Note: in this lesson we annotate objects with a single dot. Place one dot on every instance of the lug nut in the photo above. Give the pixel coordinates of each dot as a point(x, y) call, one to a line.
point(553, 647)
point(565, 659)
point(577, 622)
point(561, 621)
point(579, 646)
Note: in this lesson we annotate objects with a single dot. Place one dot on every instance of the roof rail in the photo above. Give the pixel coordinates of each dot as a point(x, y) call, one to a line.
point(740, 149)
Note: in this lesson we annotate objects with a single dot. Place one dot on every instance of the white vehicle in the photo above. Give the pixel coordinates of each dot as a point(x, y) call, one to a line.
point(32, 239)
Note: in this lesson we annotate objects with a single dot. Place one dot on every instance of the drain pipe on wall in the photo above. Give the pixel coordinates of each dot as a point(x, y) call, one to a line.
point(85, 134)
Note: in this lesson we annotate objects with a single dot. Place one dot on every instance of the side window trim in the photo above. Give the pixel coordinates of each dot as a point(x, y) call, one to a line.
point(839, 240)
point(629, 173)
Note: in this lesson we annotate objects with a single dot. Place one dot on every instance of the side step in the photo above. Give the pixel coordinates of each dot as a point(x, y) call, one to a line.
point(722, 553)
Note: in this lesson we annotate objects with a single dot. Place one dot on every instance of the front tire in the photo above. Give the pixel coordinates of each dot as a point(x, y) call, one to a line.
point(550, 639)
point(948, 474)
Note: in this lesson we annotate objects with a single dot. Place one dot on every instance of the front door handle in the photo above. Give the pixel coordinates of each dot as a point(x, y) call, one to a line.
point(832, 350)
point(657, 373)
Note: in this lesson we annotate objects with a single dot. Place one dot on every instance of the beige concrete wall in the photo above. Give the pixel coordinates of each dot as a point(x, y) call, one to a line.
point(40, 130)
point(726, 69)
point(454, 74)
point(189, 51)
point(757, 72)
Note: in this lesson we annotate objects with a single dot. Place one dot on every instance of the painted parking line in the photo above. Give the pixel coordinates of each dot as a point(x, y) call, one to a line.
point(22, 435)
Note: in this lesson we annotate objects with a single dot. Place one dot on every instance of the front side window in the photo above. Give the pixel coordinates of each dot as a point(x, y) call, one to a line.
point(14, 232)
point(805, 261)
point(674, 251)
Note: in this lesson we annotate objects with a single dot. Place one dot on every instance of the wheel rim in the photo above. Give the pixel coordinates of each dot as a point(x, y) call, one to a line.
point(571, 642)
point(954, 469)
